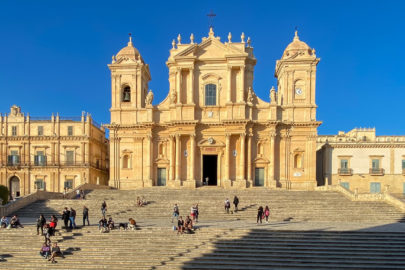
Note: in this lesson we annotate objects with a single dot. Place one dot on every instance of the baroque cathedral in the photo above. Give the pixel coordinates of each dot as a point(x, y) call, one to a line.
point(212, 129)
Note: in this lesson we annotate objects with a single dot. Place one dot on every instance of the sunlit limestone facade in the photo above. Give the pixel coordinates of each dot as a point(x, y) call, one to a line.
point(212, 129)
point(361, 161)
point(51, 153)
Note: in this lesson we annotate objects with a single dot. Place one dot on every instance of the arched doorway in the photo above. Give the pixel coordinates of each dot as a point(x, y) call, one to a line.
point(14, 187)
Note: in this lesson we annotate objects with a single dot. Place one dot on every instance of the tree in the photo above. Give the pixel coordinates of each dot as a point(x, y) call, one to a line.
point(4, 193)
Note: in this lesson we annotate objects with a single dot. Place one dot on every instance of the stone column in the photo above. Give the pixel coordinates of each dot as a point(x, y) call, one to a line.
point(1, 155)
point(190, 93)
point(242, 156)
point(229, 93)
point(249, 160)
point(227, 180)
point(171, 159)
point(272, 159)
point(148, 182)
point(178, 160)
point(52, 159)
point(241, 183)
point(241, 84)
point(191, 183)
point(83, 152)
point(178, 85)
point(87, 152)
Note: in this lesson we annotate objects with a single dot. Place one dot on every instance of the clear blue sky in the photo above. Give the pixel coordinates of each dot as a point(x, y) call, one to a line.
point(55, 53)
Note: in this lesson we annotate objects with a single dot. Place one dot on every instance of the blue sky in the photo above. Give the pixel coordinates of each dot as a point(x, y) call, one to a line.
point(55, 53)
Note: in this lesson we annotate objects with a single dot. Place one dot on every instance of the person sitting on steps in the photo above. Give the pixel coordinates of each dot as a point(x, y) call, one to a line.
point(188, 225)
point(4, 222)
point(110, 224)
point(102, 225)
point(56, 252)
point(131, 224)
point(180, 225)
point(15, 222)
point(45, 250)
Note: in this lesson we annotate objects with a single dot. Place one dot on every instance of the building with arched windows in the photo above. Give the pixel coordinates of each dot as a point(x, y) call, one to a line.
point(212, 129)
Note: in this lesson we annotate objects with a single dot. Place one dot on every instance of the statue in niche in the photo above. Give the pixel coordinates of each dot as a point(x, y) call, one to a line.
point(149, 98)
point(173, 96)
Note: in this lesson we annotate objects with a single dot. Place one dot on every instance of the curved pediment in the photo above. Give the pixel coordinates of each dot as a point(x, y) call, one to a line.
point(210, 142)
point(261, 160)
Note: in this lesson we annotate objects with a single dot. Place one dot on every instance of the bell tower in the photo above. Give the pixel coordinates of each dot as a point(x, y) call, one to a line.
point(129, 84)
point(296, 74)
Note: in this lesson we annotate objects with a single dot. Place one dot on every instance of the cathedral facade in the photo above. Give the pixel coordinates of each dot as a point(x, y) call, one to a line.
point(212, 129)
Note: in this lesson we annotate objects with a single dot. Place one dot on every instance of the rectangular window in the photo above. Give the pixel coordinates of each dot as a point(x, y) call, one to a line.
point(69, 157)
point(39, 184)
point(13, 158)
point(68, 184)
point(375, 164)
point(375, 187)
point(403, 164)
point(344, 164)
point(14, 131)
point(40, 159)
point(40, 130)
point(210, 95)
point(70, 130)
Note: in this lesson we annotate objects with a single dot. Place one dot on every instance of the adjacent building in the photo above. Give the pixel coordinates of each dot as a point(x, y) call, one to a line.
point(360, 160)
point(212, 129)
point(51, 153)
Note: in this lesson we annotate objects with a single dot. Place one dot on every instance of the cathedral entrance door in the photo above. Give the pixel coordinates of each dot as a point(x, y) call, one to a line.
point(210, 169)
point(259, 177)
point(15, 187)
point(161, 177)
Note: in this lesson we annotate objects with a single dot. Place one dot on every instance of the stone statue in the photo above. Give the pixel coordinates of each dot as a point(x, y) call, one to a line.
point(273, 97)
point(149, 97)
point(250, 96)
point(173, 97)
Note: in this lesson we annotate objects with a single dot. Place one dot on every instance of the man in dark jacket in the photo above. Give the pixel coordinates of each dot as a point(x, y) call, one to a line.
point(236, 202)
point(86, 216)
point(72, 218)
point(65, 217)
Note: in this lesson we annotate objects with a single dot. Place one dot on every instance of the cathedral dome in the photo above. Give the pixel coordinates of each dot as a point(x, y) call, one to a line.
point(129, 52)
point(297, 47)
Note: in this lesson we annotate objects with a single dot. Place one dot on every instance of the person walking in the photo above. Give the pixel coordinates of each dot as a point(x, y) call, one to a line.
point(41, 221)
point(65, 217)
point(176, 212)
point(72, 218)
point(103, 209)
point(86, 216)
point(227, 205)
point(267, 213)
point(236, 202)
point(259, 215)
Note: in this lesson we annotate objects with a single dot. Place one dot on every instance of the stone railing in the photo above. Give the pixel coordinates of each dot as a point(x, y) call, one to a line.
point(355, 196)
point(21, 202)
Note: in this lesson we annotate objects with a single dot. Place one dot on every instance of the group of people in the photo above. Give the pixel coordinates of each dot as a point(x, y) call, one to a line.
point(48, 250)
point(14, 222)
point(185, 226)
point(79, 193)
point(227, 204)
point(263, 214)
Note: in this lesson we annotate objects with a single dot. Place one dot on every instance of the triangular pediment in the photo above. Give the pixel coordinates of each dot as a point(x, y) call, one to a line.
point(210, 48)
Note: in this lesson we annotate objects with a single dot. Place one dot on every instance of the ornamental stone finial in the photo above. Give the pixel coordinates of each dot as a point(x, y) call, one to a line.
point(230, 37)
point(113, 59)
point(179, 39)
point(242, 37)
point(273, 97)
point(130, 40)
point(192, 38)
point(173, 44)
point(296, 37)
point(211, 32)
point(249, 41)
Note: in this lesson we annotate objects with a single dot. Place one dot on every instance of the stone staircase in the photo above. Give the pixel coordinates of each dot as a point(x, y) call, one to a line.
point(222, 241)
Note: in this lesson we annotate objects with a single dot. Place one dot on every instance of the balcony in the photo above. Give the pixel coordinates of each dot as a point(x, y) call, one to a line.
point(376, 171)
point(345, 171)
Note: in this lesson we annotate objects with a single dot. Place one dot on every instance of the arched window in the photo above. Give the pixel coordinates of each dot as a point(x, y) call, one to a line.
point(210, 95)
point(126, 162)
point(298, 161)
point(126, 94)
